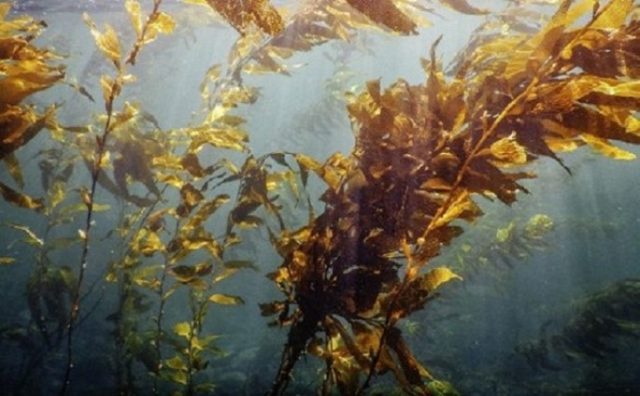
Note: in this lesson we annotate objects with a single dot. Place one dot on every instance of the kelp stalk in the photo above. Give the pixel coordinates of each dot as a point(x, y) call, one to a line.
point(88, 199)
point(109, 44)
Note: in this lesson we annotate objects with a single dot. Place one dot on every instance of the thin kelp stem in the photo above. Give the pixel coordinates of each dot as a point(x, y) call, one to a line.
point(131, 59)
point(159, 333)
point(160, 316)
point(124, 370)
point(300, 333)
point(89, 197)
point(89, 201)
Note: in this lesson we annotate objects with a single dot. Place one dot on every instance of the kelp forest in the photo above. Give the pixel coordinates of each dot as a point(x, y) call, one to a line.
point(334, 197)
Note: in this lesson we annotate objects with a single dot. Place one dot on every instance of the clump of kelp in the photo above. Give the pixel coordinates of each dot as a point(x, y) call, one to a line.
point(351, 274)
point(577, 349)
point(590, 332)
point(25, 69)
point(499, 247)
point(422, 152)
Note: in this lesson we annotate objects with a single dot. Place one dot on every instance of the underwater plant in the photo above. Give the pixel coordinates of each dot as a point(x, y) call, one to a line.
point(359, 260)
point(26, 69)
point(589, 332)
point(596, 328)
point(422, 152)
point(108, 43)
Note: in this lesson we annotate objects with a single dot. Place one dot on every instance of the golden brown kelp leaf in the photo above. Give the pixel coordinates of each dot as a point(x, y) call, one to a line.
point(385, 13)
point(20, 124)
point(229, 138)
point(25, 77)
point(225, 299)
point(247, 13)
point(147, 31)
point(20, 199)
point(107, 42)
point(25, 69)
point(464, 7)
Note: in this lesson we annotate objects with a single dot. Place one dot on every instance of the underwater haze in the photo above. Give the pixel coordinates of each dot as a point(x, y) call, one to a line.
point(335, 197)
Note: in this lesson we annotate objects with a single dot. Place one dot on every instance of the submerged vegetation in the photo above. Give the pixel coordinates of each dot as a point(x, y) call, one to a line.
point(357, 257)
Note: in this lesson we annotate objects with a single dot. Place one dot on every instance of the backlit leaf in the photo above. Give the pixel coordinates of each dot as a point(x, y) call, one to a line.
point(134, 10)
point(30, 237)
point(461, 207)
point(176, 363)
point(24, 78)
point(506, 233)
point(613, 14)
point(224, 274)
point(106, 41)
point(464, 7)
point(146, 276)
point(150, 243)
point(232, 139)
point(177, 376)
point(225, 299)
point(19, 199)
point(247, 13)
point(160, 23)
point(433, 279)
point(183, 329)
point(603, 147)
point(385, 13)
point(7, 260)
point(538, 225)
point(507, 150)
point(629, 89)
point(107, 85)
point(207, 210)
point(20, 125)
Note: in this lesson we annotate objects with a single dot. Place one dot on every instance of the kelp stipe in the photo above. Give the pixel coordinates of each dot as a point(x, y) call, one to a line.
point(108, 43)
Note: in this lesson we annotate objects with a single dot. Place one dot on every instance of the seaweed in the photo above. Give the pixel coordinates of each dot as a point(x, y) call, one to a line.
point(351, 273)
point(589, 333)
point(422, 152)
